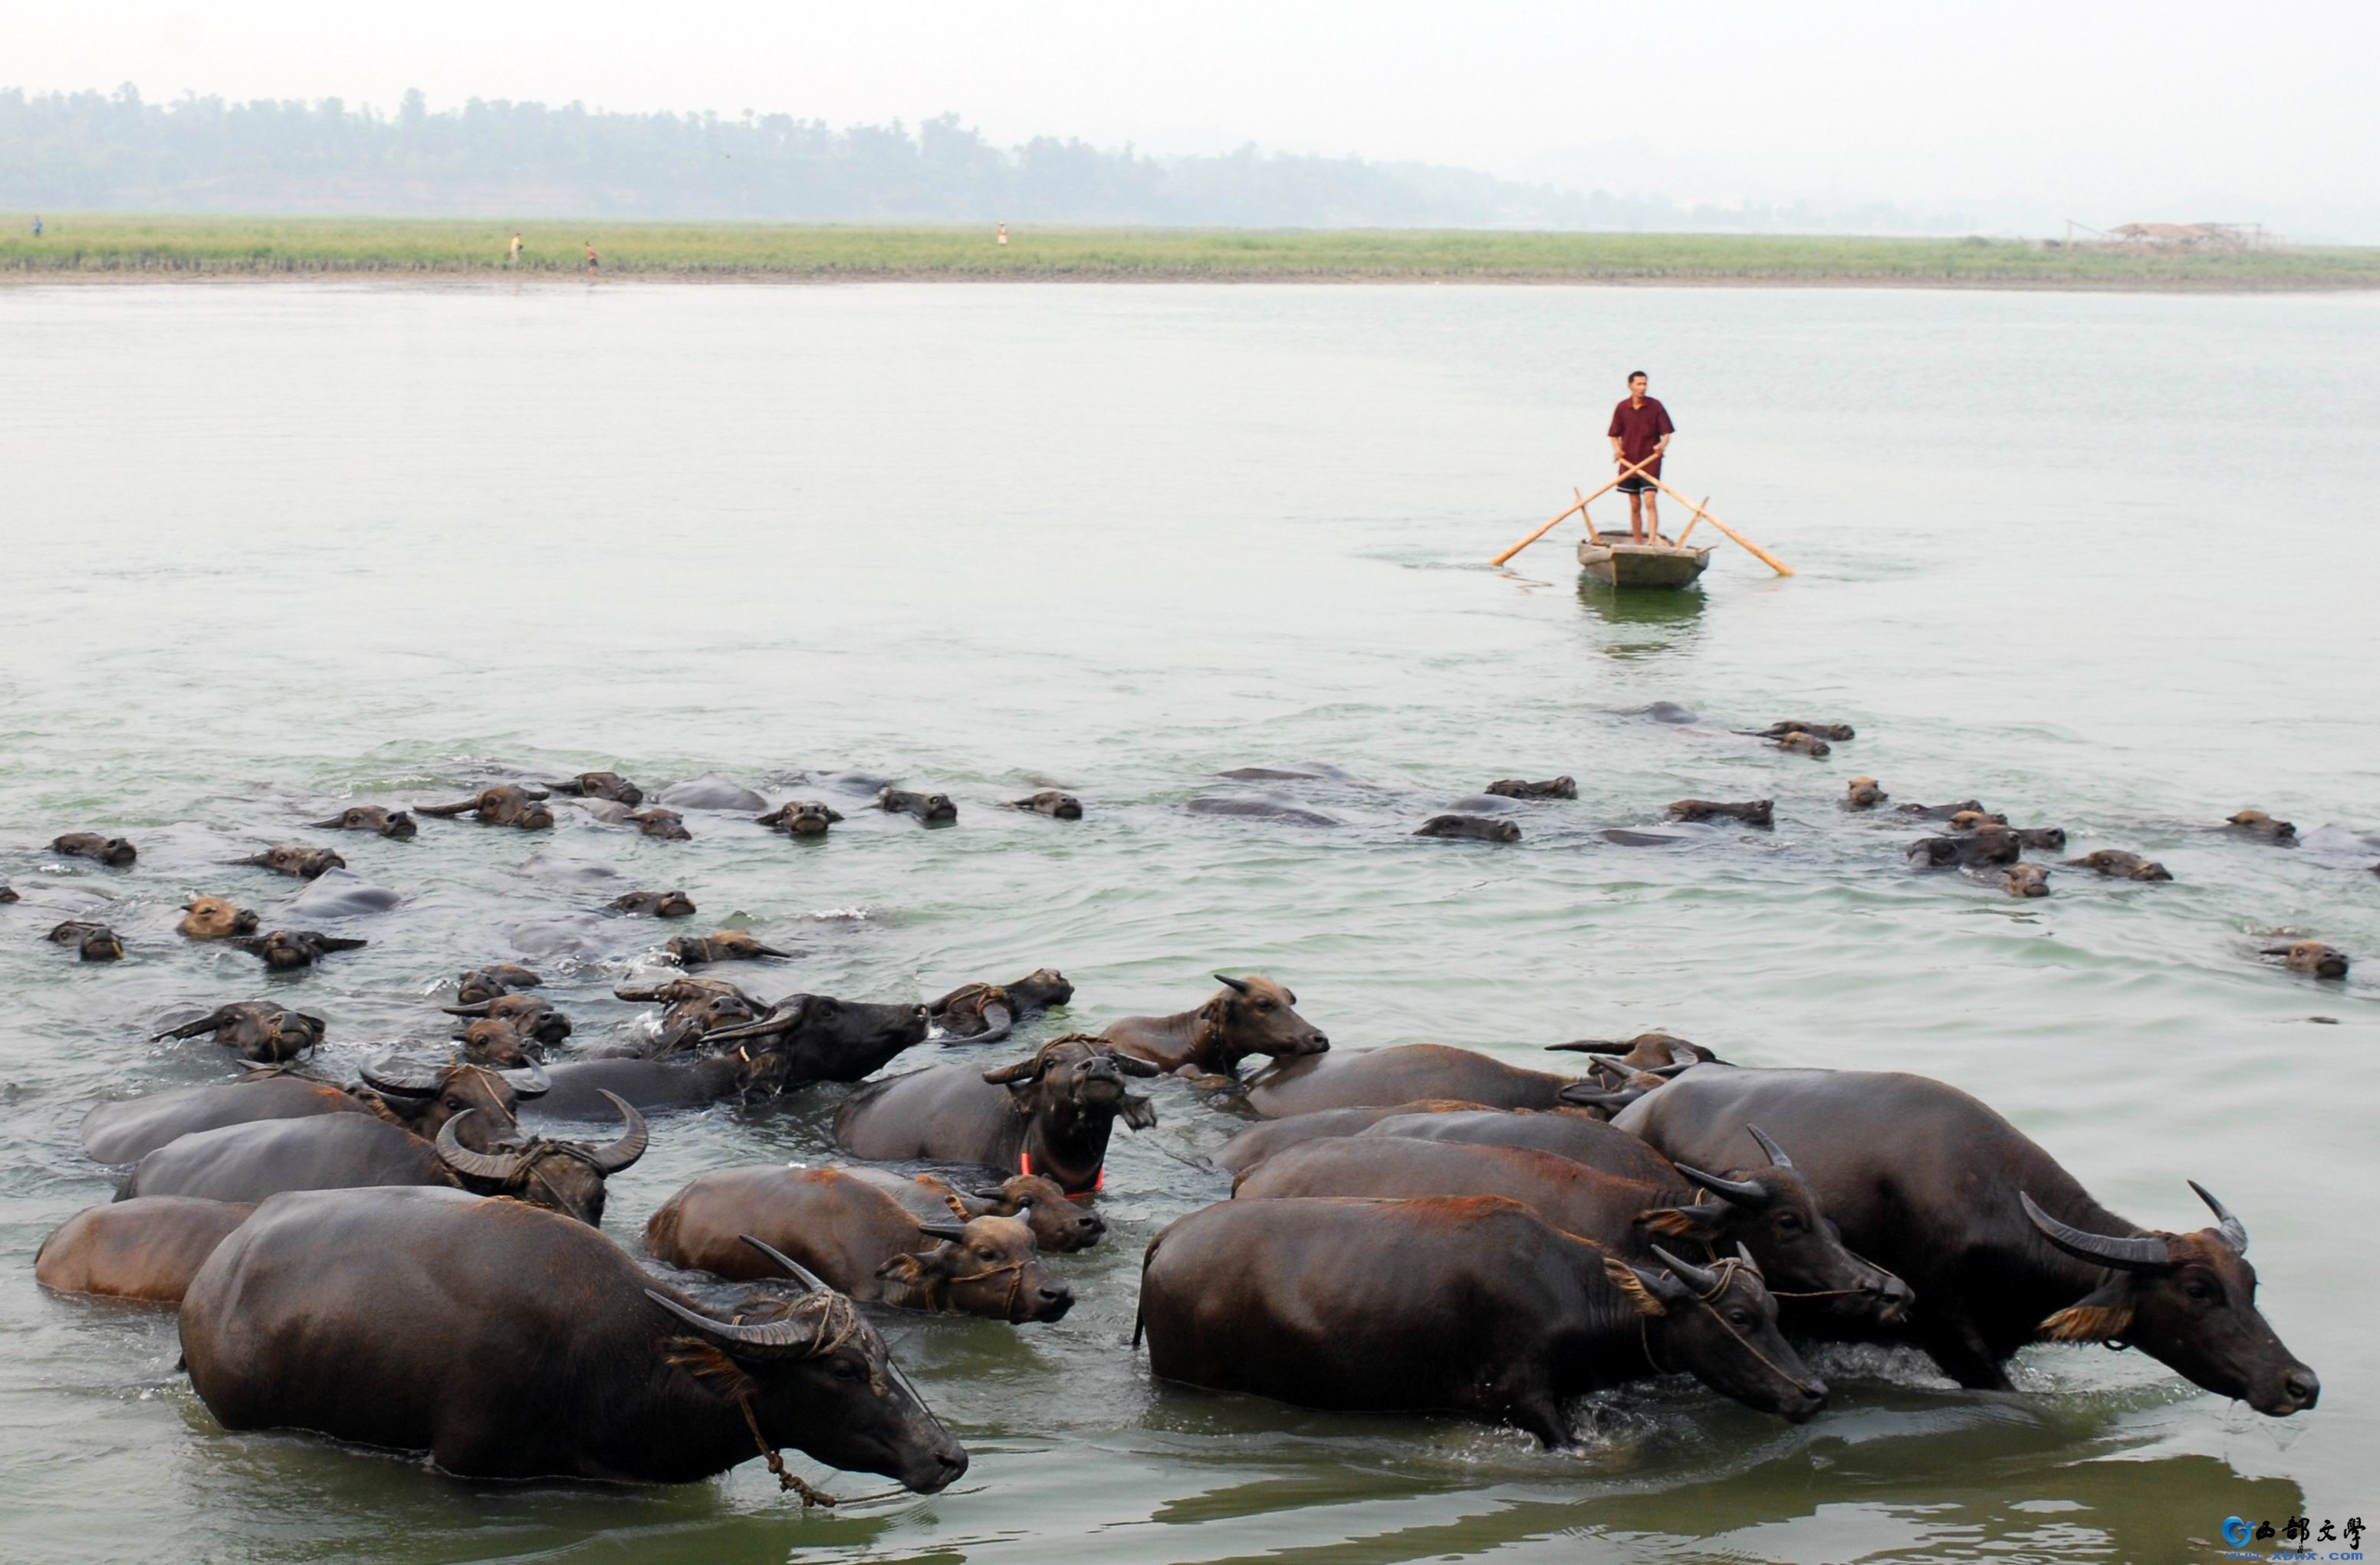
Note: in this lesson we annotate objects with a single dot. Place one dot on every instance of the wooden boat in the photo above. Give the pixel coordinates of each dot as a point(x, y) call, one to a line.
point(1618, 559)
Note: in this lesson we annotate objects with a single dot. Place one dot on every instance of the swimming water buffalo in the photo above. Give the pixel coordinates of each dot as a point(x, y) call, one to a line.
point(523, 808)
point(1752, 812)
point(1469, 828)
point(1836, 731)
point(1940, 812)
point(212, 918)
point(1050, 1115)
point(1800, 743)
point(1399, 1074)
point(2256, 824)
point(931, 809)
point(1646, 1051)
point(263, 1158)
point(1518, 788)
point(1344, 1303)
point(286, 950)
point(1058, 1222)
point(719, 945)
point(1974, 819)
point(500, 1045)
point(147, 1250)
point(532, 1347)
point(602, 785)
point(1250, 1016)
point(1271, 1137)
point(8, 895)
point(654, 905)
point(857, 1237)
point(816, 1037)
point(396, 824)
point(800, 817)
point(711, 791)
point(692, 1008)
point(92, 941)
point(987, 1013)
point(114, 851)
point(261, 1032)
point(1864, 792)
point(2027, 881)
point(1052, 802)
point(1769, 1210)
point(2116, 863)
point(2311, 957)
point(482, 983)
point(531, 1015)
point(667, 825)
point(295, 860)
point(1288, 812)
point(2000, 1242)
point(581, 1090)
point(1974, 849)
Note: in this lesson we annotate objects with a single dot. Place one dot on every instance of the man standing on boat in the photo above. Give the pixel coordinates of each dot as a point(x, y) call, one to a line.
point(1641, 429)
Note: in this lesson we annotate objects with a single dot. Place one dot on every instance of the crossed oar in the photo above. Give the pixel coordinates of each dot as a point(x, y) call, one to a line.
point(1636, 470)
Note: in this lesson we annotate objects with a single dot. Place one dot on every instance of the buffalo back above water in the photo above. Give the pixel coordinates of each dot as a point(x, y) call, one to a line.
point(1257, 1143)
point(250, 1162)
point(1591, 1142)
point(131, 1128)
point(1400, 1075)
point(147, 1249)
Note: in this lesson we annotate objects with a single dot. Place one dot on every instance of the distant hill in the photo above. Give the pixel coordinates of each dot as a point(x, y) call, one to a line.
point(96, 152)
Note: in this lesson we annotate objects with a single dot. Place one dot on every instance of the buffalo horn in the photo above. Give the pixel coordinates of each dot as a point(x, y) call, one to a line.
point(1590, 1095)
point(1687, 1273)
point(783, 1016)
point(1743, 1253)
point(1023, 1070)
point(402, 1077)
point(2138, 1253)
point(951, 1232)
point(1237, 985)
point(478, 1007)
point(527, 1081)
point(1133, 1064)
point(632, 1143)
point(777, 1339)
point(1776, 1154)
point(1743, 1191)
point(1588, 1046)
point(331, 825)
point(2235, 1233)
point(993, 1031)
point(477, 1165)
point(793, 1269)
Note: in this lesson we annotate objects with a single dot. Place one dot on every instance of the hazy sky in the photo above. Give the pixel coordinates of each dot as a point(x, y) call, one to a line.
point(2018, 113)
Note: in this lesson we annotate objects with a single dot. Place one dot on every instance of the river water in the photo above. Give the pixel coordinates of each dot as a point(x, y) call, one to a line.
point(2105, 561)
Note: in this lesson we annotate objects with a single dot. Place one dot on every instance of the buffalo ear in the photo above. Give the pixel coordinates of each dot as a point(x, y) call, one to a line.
point(904, 1269)
point(1699, 1220)
point(1139, 1112)
point(1635, 1284)
point(2099, 1317)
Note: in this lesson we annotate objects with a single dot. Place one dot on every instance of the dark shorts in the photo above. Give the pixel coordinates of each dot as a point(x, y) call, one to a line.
point(1635, 486)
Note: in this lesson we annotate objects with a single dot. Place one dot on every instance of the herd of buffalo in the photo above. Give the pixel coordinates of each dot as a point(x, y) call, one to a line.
point(1418, 1227)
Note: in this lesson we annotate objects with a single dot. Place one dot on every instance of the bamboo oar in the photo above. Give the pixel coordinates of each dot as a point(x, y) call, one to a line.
point(1690, 523)
point(1580, 508)
point(1772, 561)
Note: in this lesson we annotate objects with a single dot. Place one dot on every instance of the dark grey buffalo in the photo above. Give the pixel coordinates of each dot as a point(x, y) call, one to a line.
point(261, 1032)
point(509, 1343)
point(419, 1098)
point(988, 1013)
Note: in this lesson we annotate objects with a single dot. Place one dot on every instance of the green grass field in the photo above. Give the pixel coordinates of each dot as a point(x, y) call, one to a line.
point(103, 245)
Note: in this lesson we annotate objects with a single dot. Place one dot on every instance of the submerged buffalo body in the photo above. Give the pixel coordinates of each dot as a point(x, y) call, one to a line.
point(509, 1343)
point(2000, 1242)
point(1050, 1115)
point(147, 1250)
point(1257, 1143)
point(1400, 1075)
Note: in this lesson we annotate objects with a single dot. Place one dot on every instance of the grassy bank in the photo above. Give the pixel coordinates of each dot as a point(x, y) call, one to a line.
point(115, 244)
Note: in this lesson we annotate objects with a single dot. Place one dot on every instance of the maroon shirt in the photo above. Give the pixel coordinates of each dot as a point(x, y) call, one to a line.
point(1638, 430)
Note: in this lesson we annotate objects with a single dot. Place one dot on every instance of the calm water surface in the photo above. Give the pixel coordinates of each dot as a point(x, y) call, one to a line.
point(2106, 561)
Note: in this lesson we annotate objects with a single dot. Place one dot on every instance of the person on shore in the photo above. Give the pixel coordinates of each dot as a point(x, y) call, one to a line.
point(37, 226)
point(516, 256)
point(1640, 433)
point(593, 266)
point(1002, 236)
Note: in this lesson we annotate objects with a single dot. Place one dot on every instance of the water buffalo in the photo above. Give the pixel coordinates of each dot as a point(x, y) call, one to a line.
point(931, 809)
point(667, 825)
point(1769, 1210)
point(1469, 828)
point(147, 1250)
point(523, 808)
point(2028, 881)
point(261, 1032)
point(212, 918)
point(1752, 812)
point(1836, 731)
point(250, 1162)
point(817, 1038)
point(857, 1237)
point(2116, 863)
point(1250, 1016)
point(295, 860)
point(480, 984)
point(602, 785)
point(711, 791)
point(531, 1015)
point(532, 1347)
point(1257, 1143)
point(92, 941)
point(2256, 824)
point(114, 851)
point(1516, 788)
point(987, 1013)
point(2001, 1243)
point(1940, 812)
point(1399, 1074)
point(1052, 802)
point(2311, 957)
point(1646, 1051)
point(1998, 845)
point(1800, 744)
point(581, 1089)
point(719, 945)
point(500, 1045)
point(654, 905)
point(1057, 1223)
point(1341, 1304)
point(801, 817)
point(1049, 1115)
point(419, 1098)
point(396, 824)
point(1287, 812)
point(692, 1008)
point(1864, 792)
point(8, 893)
point(286, 950)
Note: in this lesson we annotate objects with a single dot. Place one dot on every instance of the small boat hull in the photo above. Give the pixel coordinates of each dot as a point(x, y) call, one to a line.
point(1622, 563)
